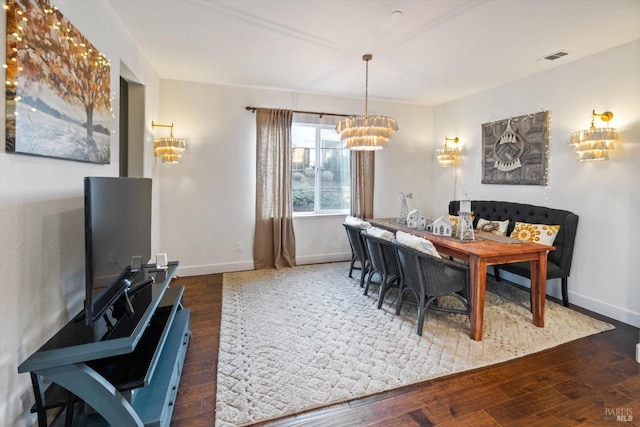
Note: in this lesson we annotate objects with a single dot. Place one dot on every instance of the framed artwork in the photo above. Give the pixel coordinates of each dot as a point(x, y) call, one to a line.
point(58, 87)
point(514, 150)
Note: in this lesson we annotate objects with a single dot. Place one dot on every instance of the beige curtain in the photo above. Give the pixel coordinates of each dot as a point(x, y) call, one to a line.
point(274, 245)
point(362, 174)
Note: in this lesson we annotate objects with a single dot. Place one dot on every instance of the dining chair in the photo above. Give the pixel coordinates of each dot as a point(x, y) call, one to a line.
point(384, 269)
point(358, 251)
point(428, 278)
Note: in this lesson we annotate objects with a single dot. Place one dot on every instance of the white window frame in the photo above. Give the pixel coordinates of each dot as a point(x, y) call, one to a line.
point(318, 175)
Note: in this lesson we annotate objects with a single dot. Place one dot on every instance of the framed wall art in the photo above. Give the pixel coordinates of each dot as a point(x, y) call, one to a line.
point(514, 150)
point(58, 87)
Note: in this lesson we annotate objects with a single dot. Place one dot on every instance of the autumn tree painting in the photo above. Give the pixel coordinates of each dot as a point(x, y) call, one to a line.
point(57, 86)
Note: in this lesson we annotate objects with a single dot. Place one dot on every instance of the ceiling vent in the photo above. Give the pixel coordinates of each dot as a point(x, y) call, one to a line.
point(554, 56)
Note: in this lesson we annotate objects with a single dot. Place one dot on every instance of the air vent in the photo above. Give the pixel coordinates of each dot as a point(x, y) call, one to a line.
point(554, 56)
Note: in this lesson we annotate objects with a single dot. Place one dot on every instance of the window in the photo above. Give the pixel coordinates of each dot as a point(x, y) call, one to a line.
point(320, 170)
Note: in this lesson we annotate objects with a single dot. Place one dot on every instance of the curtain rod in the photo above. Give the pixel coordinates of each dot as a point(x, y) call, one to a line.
point(317, 113)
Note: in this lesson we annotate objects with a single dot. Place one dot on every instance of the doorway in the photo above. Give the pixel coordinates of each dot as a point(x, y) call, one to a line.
point(131, 113)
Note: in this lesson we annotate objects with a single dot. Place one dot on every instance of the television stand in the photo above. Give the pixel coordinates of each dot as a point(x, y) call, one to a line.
point(128, 372)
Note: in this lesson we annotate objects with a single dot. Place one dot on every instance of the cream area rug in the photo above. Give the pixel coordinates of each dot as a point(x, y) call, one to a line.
point(305, 337)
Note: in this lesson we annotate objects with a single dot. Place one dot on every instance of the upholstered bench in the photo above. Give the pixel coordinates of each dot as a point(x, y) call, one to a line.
point(558, 261)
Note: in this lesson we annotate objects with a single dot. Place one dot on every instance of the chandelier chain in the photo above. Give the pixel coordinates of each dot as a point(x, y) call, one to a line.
point(364, 132)
point(366, 87)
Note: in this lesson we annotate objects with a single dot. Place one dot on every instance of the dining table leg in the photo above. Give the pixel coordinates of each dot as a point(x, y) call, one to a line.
point(477, 286)
point(538, 288)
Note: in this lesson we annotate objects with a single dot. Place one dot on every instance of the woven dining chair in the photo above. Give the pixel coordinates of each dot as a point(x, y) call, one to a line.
point(384, 269)
point(358, 252)
point(429, 278)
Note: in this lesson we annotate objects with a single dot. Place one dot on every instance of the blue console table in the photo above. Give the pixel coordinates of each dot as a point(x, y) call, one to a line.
point(125, 367)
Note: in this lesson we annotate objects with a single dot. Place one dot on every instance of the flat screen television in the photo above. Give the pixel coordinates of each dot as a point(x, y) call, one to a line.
point(117, 238)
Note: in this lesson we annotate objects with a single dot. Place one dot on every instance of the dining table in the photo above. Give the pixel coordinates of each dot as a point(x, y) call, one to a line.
point(486, 249)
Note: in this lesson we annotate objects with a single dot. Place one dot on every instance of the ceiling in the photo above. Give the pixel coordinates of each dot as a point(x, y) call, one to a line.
point(425, 52)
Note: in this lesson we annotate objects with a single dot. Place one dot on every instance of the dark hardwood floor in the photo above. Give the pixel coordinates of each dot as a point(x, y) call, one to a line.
point(588, 382)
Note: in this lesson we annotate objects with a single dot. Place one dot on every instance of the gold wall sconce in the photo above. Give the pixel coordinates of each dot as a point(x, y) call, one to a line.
point(169, 149)
point(595, 143)
point(447, 155)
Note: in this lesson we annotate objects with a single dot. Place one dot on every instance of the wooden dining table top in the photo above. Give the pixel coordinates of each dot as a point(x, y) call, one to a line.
point(485, 245)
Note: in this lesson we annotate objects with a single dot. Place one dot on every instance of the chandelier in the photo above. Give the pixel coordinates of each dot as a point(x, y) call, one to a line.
point(595, 143)
point(169, 149)
point(366, 132)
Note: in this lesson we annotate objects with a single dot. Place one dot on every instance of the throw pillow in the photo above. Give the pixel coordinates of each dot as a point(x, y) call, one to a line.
point(417, 243)
point(357, 222)
point(381, 233)
point(536, 233)
point(495, 227)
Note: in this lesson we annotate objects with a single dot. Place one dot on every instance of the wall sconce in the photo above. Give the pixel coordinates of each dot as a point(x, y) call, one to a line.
point(595, 143)
point(169, 149)
point(448, 154)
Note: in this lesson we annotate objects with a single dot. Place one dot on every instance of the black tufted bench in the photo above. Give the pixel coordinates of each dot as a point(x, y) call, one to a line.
point(558, 261)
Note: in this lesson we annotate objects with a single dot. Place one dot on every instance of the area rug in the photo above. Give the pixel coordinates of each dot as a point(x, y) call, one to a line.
point(306, 337)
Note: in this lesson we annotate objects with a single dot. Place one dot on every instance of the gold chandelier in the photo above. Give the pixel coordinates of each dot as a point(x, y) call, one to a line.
point(169, 149)
point(447, 155)
point(366, 132)
point(595, 143)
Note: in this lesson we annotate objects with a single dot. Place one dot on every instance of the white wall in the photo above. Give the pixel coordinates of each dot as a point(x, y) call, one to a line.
point(212, 190)
point(207, 202)
point(210, 203)
point(42, 222)
point(604, 194)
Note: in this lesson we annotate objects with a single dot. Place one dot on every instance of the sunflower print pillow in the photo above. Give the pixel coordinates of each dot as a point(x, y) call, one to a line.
point(537, 233)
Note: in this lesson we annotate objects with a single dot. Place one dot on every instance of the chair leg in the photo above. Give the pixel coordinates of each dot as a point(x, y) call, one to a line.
point(371, 273)
point(496, 273)
point(351, 268)
point(384, 287)
point(565, 293)
point(368, 281)
point(401, 290)
point(422, 310)
point(363, 273)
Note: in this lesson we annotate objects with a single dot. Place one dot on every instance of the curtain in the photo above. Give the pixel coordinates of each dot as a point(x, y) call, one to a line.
point(362, 177)
point(274, 242)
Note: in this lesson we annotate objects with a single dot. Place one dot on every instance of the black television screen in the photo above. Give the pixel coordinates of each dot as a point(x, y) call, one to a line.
point(117, 238)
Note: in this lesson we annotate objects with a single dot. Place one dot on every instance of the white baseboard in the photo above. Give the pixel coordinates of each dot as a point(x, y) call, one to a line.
point(199, 270)
point(319, 259)
point(618, 313)
point(553, 288)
